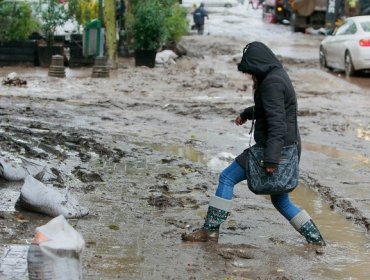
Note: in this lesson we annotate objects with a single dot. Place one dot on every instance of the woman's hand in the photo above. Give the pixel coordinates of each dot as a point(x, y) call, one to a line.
point(270, 169)
point(239, 120)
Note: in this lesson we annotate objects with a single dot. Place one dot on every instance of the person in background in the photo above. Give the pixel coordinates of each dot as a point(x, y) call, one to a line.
point(276, 126)
point(198, 16)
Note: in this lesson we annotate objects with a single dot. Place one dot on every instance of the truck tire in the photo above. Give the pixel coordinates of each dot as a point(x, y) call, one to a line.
point(295, 23)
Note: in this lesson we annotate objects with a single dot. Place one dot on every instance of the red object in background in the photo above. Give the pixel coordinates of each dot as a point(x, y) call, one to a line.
point(364, 42)
point(270, 18)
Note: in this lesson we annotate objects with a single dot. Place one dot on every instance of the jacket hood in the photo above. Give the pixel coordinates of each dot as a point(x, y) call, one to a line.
point(258, 59)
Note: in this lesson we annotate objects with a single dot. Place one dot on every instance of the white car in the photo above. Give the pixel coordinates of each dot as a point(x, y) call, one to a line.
point(348, 49)
point(209, 3)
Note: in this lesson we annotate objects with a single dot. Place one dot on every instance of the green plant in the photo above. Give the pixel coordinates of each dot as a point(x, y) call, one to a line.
point(83, 10)
point(148, 29)
point(16, 21)
point(176, 23)
point(53, 14)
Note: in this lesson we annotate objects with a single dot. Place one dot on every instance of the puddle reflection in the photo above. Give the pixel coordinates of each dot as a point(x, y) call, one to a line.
point(335, 153)
point(328, 150)
point(363, 134)
point(185, 151)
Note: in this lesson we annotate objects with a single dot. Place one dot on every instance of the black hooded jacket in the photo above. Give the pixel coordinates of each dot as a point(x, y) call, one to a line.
point(275, 109)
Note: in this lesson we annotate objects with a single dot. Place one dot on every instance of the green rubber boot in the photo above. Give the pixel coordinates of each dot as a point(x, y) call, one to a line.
point(303, 223)
point(217, 213)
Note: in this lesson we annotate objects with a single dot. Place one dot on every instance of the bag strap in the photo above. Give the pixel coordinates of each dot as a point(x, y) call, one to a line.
point(296, 126)
point(252, 129)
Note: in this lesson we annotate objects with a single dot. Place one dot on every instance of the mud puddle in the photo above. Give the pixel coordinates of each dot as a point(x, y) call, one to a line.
point(358, 159)
point(187, 152)
point(172, 194)
point(361, 79)
point(347, 255)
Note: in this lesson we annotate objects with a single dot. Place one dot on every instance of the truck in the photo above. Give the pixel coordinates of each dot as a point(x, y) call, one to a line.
point(307, 13)
point(324, 13)
point(300, 14)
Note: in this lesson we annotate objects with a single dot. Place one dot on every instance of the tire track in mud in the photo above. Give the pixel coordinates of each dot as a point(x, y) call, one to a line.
point(46, 139)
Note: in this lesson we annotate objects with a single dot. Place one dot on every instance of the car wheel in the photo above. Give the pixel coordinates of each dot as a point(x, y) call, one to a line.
point(348, 65)
point(228, 5)
point(322, 58)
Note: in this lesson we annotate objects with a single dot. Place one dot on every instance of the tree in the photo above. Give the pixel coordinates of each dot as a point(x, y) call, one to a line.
point(16, 21)
point(83, 11)
point(110, 25)
point(53, 14)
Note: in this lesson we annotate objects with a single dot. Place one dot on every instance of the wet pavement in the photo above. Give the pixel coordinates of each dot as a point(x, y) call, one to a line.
point(143, 149)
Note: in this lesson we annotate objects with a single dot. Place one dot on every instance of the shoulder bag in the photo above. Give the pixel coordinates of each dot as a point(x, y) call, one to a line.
point(284, 179)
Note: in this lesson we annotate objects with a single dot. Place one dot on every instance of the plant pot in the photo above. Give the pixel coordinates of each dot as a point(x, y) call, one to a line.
point(145, 58)
point(18, 52)
point(46, 52)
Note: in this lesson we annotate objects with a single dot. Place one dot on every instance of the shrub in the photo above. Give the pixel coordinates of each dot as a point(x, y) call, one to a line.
point(16, 21)
point(53, 14)
point(176, 24)
point(83, 10)
point(148, 30)
point(169, 20)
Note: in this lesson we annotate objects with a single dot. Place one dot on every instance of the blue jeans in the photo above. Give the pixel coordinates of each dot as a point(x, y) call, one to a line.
point(234, 174)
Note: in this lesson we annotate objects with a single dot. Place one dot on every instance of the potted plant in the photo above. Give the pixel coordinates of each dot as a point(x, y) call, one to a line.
point(148, 31)
point(52, 14)
point(17, 23)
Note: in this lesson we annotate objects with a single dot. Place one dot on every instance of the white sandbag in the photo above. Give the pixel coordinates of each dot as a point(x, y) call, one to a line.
point(55, 252)
point(220, 161)
point(13, 171)
point(36, 196)
point(13, 79)
point(166, 57)
point(12, 76)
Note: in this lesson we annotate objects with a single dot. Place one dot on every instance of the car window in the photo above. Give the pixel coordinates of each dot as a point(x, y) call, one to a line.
point(341, 29)
point(348, 27)
point(352, 29)
point(365, 26)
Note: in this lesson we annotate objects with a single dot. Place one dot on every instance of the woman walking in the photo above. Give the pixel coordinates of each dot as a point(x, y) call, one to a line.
point(275, 116)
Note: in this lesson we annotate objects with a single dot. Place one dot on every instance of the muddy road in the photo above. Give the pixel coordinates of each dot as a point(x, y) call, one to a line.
point(143, 149)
